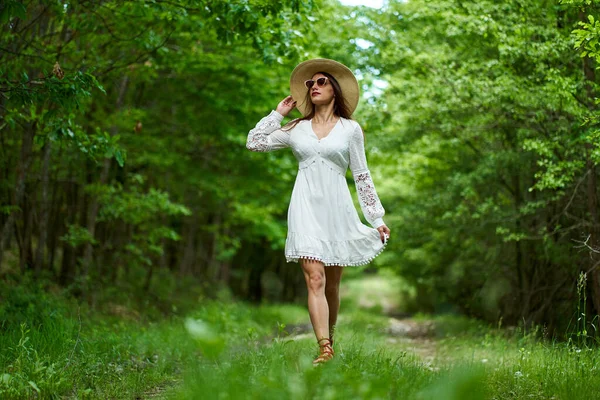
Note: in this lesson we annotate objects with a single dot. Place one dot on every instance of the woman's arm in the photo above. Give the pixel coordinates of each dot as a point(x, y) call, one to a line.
point(267, 135)
point(367, 195)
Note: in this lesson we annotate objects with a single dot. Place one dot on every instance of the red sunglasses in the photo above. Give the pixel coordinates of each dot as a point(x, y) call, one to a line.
point(322, 81)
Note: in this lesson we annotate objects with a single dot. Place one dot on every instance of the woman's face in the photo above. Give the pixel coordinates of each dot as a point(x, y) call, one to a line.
point(321, 94)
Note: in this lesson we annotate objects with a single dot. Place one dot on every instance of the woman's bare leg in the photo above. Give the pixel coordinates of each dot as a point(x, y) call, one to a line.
point(333, 276)
point(314, 274)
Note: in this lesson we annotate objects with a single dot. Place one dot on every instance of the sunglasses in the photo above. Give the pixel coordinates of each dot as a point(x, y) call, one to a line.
point(320, 82)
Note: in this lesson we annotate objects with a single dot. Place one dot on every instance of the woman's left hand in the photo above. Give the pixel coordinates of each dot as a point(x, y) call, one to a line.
point(384, 231)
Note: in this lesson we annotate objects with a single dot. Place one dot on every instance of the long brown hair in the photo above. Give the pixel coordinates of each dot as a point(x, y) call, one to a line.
point(340, 107)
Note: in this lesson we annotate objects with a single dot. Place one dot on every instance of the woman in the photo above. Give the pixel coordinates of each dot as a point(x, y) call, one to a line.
point(325, 233)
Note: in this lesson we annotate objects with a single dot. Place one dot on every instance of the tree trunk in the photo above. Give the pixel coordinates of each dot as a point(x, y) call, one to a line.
point(44, 212)
point(592, 187)
point(94, 206)
point(214, 265)
point(54, 225)
point(26, 255)
point(22, 172)
point(592, 203)
point(67, 269)
point(189, 250)
point(149, 277)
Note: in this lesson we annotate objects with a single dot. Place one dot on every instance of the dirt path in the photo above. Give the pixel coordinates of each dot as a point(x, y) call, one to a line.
point(403, 333)
point(384, 293)
point(416, 337)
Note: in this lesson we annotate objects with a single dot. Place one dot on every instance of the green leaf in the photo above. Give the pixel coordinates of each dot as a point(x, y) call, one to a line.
point(34, 386)
point(119, 158)
point(12, 9)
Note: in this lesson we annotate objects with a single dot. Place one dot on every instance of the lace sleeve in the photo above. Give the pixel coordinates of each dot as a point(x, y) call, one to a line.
point(367, 195)
point(267, 135)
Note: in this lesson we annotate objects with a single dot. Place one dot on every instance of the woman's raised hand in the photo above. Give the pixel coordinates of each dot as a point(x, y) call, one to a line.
point(286, 105)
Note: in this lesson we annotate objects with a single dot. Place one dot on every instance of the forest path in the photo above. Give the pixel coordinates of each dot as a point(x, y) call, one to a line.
point(379, 294)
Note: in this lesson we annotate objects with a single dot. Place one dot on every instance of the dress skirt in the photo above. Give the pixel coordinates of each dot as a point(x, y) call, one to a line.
point(323, 223)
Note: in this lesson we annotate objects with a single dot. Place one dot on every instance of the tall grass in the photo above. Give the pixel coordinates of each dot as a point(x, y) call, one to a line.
point(52, 346)
point(62, 349)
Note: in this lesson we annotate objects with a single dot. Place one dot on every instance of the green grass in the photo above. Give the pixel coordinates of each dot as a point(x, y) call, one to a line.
point(520, 365)
point(486, 365)
point(53, 347)
point(87, 355)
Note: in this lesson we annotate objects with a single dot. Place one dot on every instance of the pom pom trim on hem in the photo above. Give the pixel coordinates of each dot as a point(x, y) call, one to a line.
point(297, 257)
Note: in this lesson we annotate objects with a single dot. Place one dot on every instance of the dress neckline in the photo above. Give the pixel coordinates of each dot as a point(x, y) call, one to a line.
point(329, 133)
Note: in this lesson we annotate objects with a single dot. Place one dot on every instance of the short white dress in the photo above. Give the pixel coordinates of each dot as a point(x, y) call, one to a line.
point(323, 223)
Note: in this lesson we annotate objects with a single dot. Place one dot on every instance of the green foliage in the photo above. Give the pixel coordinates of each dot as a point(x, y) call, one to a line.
point(133, 206)
point(12, 9)
point(53, 102)
point(483, 119)
point(269, 25)
point(144, 211)
point(77, 236)
point(586, 38)
point(27, 301)
point(152, 86)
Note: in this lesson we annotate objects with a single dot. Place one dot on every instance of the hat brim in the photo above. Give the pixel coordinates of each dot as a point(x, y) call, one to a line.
point(342, 74)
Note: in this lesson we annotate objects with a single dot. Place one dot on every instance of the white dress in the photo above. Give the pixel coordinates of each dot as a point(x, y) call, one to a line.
point(322, 221)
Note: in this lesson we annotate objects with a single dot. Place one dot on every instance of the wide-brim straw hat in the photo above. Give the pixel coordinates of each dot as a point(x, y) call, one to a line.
point(342, 74)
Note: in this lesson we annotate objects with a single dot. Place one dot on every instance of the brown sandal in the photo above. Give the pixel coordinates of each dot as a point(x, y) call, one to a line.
point(326, 352)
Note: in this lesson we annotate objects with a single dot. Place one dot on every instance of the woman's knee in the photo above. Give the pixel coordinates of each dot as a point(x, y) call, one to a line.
point(316, 281)
point(314, 274)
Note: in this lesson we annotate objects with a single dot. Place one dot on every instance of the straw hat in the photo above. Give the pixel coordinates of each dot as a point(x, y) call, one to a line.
point(342, 74)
